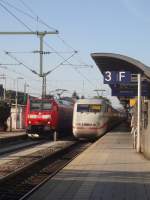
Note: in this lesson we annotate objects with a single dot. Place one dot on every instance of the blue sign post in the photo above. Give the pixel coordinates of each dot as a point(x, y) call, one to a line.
point(118, 79)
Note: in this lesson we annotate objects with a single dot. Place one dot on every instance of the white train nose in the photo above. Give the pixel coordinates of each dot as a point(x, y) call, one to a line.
point(85, 133)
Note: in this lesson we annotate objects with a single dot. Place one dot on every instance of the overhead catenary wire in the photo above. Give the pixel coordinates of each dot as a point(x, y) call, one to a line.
point(31, 16)
point(68, 45)
point(19, 20)
point(18, 9)
point(33, 71)
point(20, 62)
point(22, 75)
point(48, 26)
point(8, 53)
point(52, 48)
point(21, 52)
point(41, 21)
point(6, 67)
point(18, 73)
point(61, 63)
point(79, 65)
point(45, 43)
point(9, 64)
point(37, 51)
point(35, 17)
point(71, 65)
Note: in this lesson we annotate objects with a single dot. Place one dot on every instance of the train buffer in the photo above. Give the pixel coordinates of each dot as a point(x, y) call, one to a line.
point(109, 169)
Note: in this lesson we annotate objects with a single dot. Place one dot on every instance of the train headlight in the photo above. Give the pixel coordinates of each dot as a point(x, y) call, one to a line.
point(31, 116)
point(46, 116)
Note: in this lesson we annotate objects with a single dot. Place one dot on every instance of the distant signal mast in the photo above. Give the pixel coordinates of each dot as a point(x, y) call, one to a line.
point(41, 52)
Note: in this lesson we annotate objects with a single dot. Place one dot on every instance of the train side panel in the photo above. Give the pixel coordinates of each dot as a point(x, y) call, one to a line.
point(65, 119)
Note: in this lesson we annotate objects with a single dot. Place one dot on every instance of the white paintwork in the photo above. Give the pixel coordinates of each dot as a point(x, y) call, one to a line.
point(11, 123)
point(90, 124)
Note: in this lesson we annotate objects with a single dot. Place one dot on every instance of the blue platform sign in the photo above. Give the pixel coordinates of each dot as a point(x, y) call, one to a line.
point(130, 91)
point(117, 77)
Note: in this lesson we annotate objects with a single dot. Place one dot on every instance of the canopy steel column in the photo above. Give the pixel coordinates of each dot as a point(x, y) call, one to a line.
point(138, 144)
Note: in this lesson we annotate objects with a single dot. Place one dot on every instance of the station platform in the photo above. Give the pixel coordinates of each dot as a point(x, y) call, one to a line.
point(109, 170)
point(12, 135)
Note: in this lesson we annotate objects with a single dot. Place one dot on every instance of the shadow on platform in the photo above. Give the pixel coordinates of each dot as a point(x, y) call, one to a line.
point(105, 185)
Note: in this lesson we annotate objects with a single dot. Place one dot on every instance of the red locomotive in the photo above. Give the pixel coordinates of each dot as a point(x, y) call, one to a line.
point(45, 116)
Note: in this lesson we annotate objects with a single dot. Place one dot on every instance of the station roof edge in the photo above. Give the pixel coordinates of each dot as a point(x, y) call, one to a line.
point(139, 66)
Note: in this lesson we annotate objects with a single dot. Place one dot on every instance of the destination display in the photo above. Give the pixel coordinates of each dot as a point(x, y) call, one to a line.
point(96, 107)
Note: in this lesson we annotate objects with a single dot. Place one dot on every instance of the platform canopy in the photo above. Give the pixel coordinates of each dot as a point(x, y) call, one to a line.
point(117, 62)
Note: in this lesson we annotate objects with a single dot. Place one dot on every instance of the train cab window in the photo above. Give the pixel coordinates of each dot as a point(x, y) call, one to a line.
point(35, 106)
point(89, 108)
point(82, 108)
point(40, 105)
point(46, 105)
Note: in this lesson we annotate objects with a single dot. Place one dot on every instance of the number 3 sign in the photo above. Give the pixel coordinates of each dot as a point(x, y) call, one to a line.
point(113, 77)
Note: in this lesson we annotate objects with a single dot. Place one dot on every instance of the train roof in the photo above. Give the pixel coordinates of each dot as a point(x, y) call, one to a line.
point(90, 101)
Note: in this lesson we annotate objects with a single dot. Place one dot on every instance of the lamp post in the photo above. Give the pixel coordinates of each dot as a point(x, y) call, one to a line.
point(25, 91)
point(3, 76)
point(5, 88)
point(16, 101)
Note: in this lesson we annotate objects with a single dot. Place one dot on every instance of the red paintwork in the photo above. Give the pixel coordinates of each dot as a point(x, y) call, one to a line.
point(61, 116)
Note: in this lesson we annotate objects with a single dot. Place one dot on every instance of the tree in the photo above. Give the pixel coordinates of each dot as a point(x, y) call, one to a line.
point(4, 114)
point(75, 95)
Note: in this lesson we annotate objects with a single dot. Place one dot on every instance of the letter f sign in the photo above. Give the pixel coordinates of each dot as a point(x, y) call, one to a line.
point(121, 76)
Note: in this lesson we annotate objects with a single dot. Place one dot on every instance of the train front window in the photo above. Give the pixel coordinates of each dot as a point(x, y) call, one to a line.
point(40, 105)
point(46, 105)
point(82, 108)
point(35, 105)
point(89, 108)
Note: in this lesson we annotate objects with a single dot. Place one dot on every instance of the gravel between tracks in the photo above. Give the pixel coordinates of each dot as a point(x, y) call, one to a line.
point(23, 161)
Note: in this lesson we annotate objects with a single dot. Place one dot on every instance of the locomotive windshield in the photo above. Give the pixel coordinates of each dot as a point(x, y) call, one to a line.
point(38, 105)
point(88, 108)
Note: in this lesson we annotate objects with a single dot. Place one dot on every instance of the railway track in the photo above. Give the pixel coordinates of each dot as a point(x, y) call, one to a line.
point(40, 167)
point(11, 147)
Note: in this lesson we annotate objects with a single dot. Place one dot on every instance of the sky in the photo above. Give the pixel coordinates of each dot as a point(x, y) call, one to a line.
point(87, 26)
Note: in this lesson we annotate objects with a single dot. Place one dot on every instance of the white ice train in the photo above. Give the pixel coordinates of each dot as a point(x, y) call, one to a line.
point(93, 117)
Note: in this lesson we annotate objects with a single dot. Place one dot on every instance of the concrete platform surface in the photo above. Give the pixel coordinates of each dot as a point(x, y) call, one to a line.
point(8, 135)
point(109, 169)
